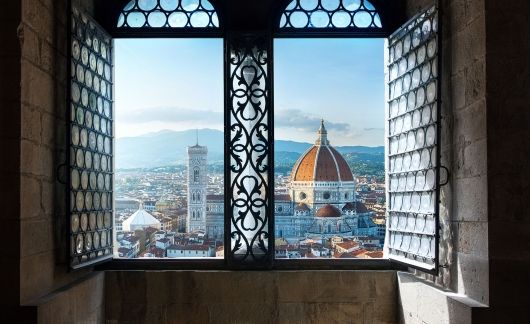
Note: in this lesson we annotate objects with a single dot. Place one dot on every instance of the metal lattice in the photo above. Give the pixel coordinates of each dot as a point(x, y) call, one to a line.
point(330, 14)
point(91, 141)
point(413, 159)
point(249, 146)
point(168, 14)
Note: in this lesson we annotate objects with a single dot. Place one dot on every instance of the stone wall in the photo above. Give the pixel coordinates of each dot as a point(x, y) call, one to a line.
point(43, 248)
point(33, 100)
point(251, 297)
point(485, 222)
point(463, 205)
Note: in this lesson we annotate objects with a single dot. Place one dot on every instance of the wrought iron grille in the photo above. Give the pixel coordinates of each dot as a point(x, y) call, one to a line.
point(413, 142)
point(330, 14)
point(249, 146)
point(168, 14)
point(91, 142)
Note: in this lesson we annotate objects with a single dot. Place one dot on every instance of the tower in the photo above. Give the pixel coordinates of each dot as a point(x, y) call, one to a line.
point(197, 184)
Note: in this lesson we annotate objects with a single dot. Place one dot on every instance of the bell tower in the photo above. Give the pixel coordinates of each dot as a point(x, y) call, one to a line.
point(197, 184)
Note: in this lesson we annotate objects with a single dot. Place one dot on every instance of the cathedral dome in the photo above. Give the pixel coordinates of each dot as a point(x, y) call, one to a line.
point(322, 162)
point(328, 211)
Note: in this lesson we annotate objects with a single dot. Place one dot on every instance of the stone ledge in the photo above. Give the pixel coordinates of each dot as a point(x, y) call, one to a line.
point(422, 302)
point(80, 301)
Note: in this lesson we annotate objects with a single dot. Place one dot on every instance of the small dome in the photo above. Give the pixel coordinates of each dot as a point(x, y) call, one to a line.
point(302, 207)
point(328, 211)
point(322, 162)
point(349, 207)
point(141, 219)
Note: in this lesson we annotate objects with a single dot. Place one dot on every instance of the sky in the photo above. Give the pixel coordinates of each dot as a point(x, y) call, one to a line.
point(177, 84)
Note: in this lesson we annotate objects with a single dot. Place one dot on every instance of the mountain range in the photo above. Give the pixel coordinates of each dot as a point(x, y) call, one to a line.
point(168, 147)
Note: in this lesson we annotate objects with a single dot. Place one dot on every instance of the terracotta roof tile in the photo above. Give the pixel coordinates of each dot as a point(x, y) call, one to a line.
point(326, 169)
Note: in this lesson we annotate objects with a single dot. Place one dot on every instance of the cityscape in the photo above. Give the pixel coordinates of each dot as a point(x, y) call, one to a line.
point(329, 175)
point(323, 207)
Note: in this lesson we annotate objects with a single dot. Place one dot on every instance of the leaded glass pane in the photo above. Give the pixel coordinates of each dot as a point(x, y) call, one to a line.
point(413, 125)
point(90, 141)
point(330, 14)
point(168, 14)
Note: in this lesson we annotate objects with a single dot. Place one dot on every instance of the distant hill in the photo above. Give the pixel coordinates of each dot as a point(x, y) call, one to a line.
point(167, 147)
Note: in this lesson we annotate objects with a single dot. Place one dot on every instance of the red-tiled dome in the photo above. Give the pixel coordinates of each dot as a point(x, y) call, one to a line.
point(328, 211)
point(322, 162)
point(302, 207)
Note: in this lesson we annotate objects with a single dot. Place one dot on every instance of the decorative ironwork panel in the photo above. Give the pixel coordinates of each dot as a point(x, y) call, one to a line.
point(168, 14)
point(413, 157)
point(249, 148)
point(91, 142)
point(330, 14)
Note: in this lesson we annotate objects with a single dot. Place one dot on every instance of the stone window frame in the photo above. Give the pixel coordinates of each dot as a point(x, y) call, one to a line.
point(392, 15)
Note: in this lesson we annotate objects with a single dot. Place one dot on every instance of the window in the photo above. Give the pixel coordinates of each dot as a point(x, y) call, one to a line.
point(168, 14)
point(330, 14)
point(413, 91)
point(329, 136)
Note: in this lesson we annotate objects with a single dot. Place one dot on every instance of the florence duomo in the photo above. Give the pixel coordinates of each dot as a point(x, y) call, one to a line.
point(271, 161)
point(318, 204)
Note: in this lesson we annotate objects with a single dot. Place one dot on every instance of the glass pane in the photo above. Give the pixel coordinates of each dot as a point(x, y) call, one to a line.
point(88, 63)
point(330, 14)
point(169, 178)
point(329, 199)
point(414, 202)
point(168, 14)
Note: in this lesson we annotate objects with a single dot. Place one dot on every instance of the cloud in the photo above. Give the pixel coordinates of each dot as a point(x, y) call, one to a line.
point(374, 129)
point(170, 115)
point(296, 119)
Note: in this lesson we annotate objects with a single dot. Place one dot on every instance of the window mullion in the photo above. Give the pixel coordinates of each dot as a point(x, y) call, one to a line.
point(249, 234)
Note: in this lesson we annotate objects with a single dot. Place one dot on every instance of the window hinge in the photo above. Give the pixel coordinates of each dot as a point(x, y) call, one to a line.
point(447, 175)
point(61, 176)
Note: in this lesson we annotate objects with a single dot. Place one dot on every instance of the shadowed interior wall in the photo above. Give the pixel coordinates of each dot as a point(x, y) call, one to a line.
point(10, 161)
point(33, 96)
point(251, 297)
point(508, 110)
point(463, 204)
point(485, 221)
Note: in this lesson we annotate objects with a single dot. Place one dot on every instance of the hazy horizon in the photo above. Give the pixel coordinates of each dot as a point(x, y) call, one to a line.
point(202, 129)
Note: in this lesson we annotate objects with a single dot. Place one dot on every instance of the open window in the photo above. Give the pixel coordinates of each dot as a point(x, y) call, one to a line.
point(413, 147)
point(91, 142)
point(412, 157)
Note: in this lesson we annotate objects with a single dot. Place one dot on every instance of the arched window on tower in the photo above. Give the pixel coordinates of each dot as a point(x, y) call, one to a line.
point(196, 175)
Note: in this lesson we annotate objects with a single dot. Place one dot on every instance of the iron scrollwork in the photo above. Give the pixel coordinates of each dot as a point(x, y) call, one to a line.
point(249, 146)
